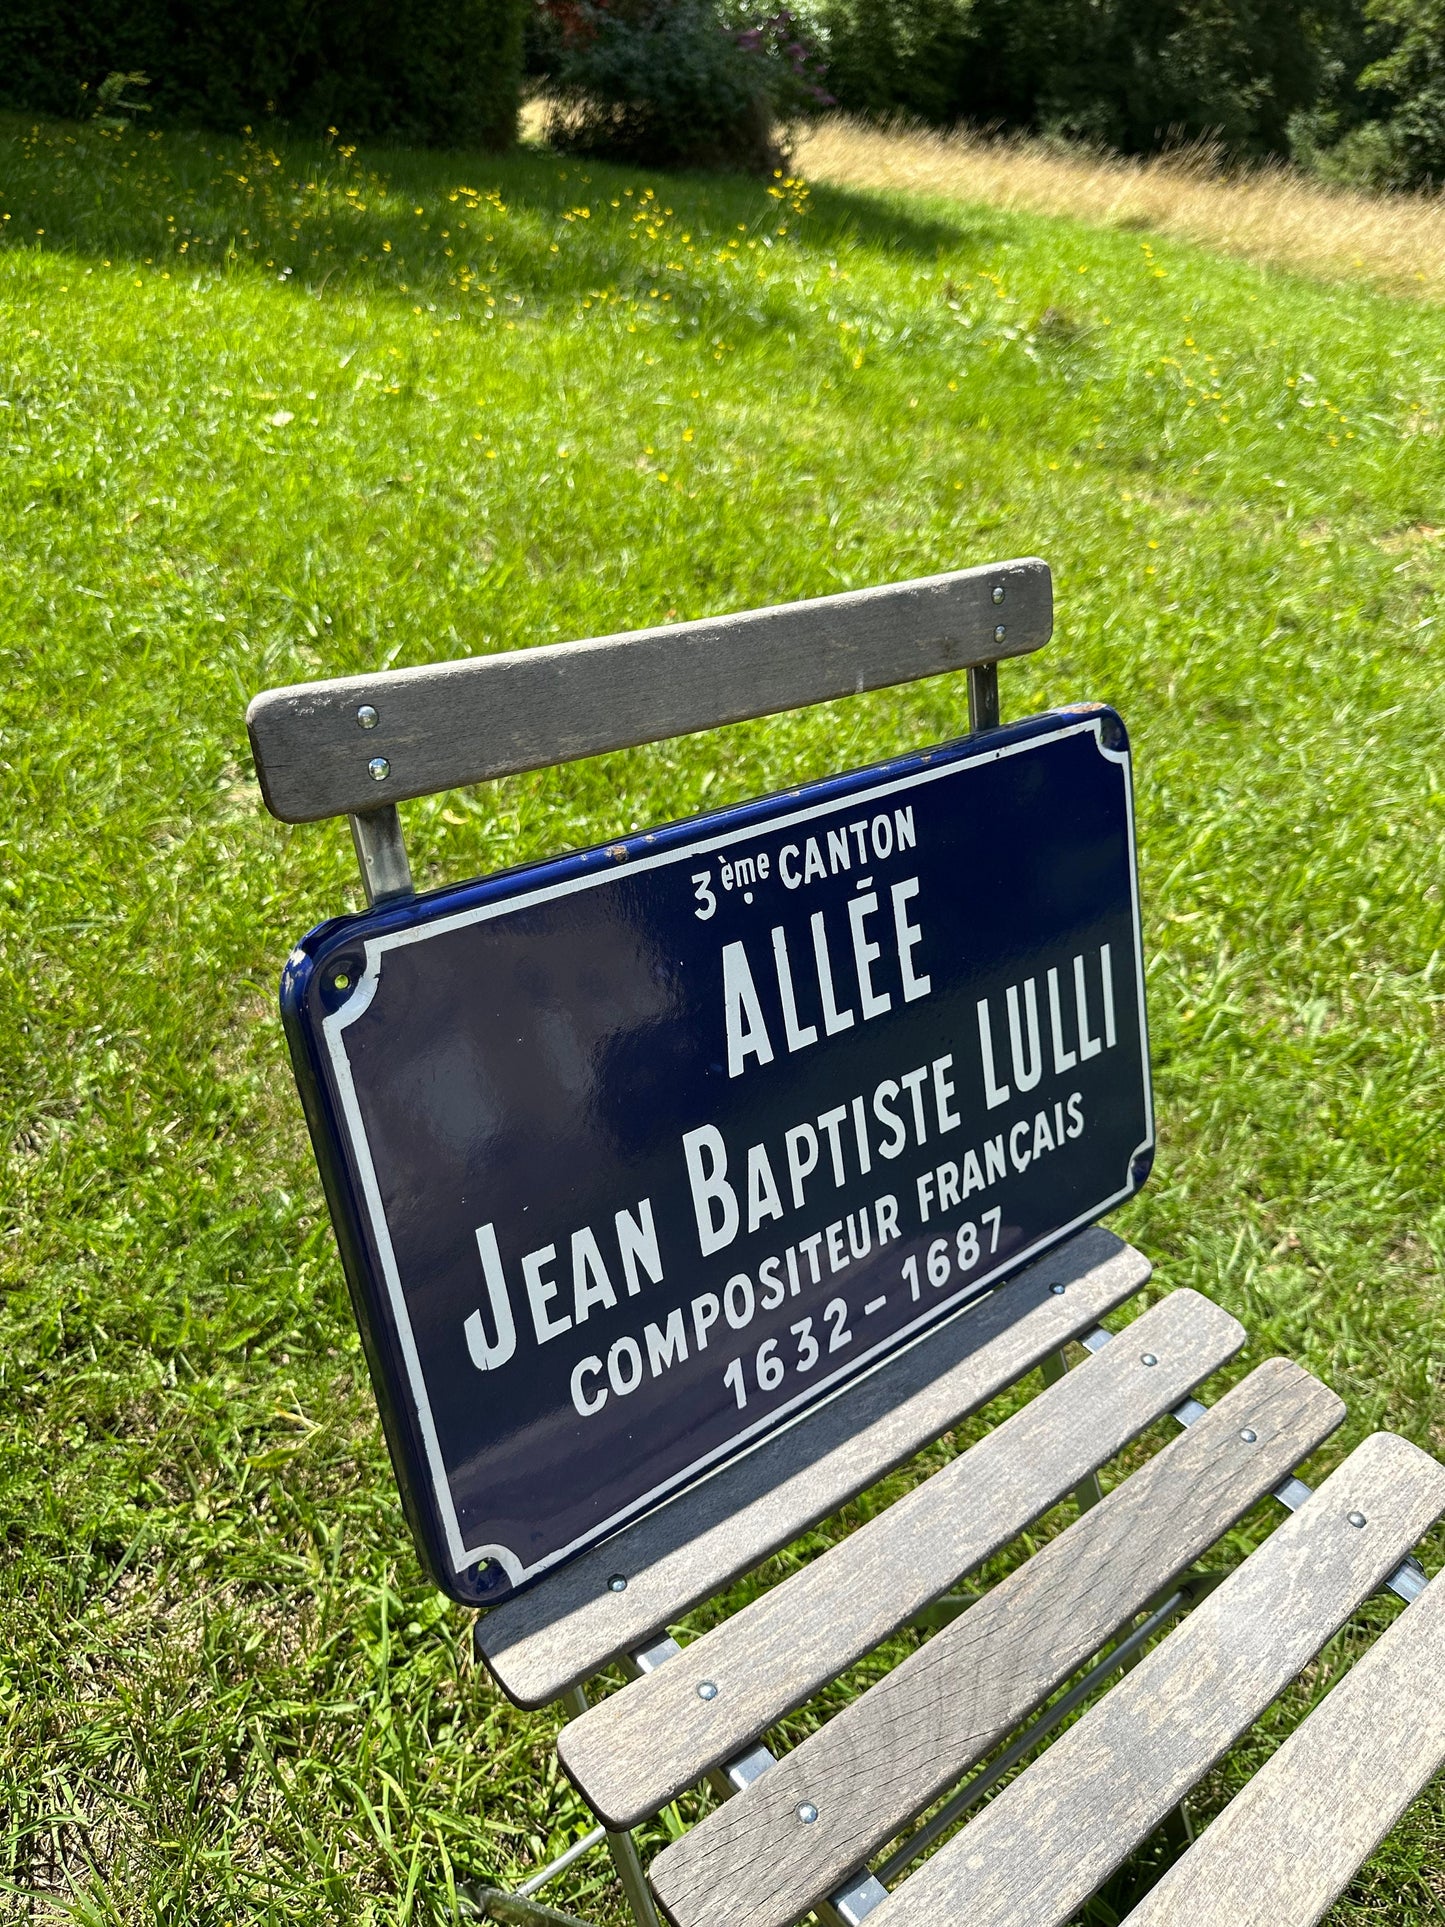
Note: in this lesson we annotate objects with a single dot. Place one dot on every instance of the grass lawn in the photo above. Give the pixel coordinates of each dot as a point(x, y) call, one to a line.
point(1268, 213)
point(276, 413)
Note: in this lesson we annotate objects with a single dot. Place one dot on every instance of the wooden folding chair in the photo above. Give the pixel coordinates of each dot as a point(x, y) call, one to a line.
point(832, 1824)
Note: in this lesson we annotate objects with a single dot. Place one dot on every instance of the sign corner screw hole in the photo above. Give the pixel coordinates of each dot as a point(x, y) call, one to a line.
point(490, 1578)
point(339, 978)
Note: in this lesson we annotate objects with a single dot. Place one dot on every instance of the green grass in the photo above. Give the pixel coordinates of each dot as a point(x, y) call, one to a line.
point(275, 415)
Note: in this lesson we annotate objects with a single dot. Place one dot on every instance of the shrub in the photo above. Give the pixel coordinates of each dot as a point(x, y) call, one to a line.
point(674, 83)
point(1368, 155)
point(428, 71)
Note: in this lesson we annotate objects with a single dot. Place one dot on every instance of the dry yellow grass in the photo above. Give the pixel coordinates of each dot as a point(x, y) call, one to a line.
point(1268, 213)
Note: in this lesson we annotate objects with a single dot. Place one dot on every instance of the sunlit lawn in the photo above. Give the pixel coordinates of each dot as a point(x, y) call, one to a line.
point(271, 413)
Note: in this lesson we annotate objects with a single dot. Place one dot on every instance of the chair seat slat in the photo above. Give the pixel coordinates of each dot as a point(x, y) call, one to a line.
point(635, 1751)
point(756, 1863)
point(564, 1629)
point(1049, 1840)
point(1289, 1843)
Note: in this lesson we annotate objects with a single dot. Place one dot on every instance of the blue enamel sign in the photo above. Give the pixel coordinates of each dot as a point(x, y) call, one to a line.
point(635, 1153)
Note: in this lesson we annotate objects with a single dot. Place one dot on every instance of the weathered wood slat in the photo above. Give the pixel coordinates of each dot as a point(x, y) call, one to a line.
point(1287, 1846)
point(447, 724)
point(636, 1750)
point(563, 1630)
point(1047, 1842)
point(757, 1863)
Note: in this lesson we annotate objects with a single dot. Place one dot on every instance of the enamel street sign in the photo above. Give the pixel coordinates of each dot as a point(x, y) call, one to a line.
point(635, 1153)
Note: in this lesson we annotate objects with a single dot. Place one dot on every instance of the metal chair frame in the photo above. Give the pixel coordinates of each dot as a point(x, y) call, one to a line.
point(469, 721)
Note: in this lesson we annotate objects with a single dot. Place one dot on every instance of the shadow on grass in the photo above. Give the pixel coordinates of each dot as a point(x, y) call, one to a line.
point(502, 235)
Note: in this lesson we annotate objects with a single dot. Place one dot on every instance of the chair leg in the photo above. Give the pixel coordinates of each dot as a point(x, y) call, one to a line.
point(622, 1846)
point(518, 1910)
point(628, 1862)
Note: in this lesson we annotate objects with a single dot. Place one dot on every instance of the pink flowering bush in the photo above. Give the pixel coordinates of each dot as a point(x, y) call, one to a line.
point(675, 83)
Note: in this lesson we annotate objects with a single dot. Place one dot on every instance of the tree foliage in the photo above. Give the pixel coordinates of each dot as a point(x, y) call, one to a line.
point(1412, 76)
point(1130, 74)
point(1354, 89)
point(901, 56)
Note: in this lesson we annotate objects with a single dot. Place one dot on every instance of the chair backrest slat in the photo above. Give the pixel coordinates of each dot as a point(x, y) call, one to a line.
point(360, 742)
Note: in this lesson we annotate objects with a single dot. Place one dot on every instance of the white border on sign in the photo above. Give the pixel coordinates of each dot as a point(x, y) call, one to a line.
point(333, 1027)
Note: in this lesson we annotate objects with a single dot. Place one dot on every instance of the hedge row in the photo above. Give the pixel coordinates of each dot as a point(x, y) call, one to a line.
point(439, 72)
